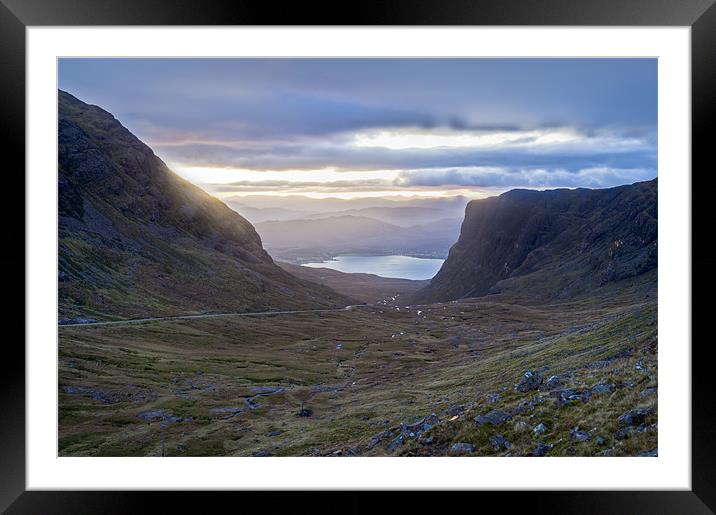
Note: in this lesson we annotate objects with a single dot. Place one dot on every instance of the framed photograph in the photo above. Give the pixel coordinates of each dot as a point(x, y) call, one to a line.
point(412, 249)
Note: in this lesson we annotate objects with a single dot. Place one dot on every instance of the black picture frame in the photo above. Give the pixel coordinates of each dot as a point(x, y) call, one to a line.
point(17, 15)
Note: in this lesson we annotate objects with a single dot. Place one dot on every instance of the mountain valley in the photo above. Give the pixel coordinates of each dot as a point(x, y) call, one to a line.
point(537, 337)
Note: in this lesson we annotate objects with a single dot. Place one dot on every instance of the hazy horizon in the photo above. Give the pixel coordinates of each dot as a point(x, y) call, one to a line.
point(407, 129)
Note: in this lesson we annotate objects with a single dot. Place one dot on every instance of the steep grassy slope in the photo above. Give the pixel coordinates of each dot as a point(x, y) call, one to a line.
point(550, 244)
point(137, 240)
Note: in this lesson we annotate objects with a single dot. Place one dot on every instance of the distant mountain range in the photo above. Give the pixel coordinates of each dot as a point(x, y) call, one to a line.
point(330, 236)
point(553, 244)
point(135, 239)
point(304, 205)
point(402, 215)
point(313, 229)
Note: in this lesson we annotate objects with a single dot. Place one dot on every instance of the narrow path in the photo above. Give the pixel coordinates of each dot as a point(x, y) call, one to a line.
point(210, 315)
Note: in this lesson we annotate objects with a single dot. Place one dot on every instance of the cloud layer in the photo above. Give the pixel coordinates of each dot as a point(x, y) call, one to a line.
point(398, 124)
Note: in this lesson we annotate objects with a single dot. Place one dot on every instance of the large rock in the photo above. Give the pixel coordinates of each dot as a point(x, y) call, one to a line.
point(397, 442)
point(568, 396)
point(499, 442)
point(542, 449)
point(634, 417)
point(578, 435)
point(602, 388)
point(531, 380)
point(495, 417)
point(417, 428)
point(552, 383)
point(623, 433)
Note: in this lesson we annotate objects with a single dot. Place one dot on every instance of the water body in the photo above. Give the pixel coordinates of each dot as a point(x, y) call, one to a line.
point(402, 267)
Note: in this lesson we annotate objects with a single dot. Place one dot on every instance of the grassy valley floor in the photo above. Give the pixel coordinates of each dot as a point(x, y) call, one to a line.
point(367, 382)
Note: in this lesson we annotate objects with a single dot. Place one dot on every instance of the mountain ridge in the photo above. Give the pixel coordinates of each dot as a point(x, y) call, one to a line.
point(135, 239)
point(329, 236)
point(550, 244)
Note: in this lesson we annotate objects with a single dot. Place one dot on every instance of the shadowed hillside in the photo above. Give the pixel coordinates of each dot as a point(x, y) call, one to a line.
point(550, 244)
point(137, 240)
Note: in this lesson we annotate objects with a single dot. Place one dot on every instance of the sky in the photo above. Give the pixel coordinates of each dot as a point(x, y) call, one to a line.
point(384, 127)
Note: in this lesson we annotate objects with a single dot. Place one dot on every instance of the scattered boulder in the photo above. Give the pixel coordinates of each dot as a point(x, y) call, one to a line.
point(305, 412)
point(602, 388)
point(462, 448)
point(499, 442)
point(642, 428)
point(492, 398)
point(568, 396)
point(348, 452)
point(552, 383)
point(623, 433)
point(397, 442)
point(417, 428)
point(523, 407)
point(495, 417)
point(542, 449)
point(376, 439)
point(94, 393)
point(634, 417)
point(538, 399)
point(539, 429)
point(578, 435)
point(649, 454)
point(600, 440)
point(531, 380)
point(261, 454)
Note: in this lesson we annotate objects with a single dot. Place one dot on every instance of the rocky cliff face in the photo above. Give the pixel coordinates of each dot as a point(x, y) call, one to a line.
point(550, 244)
point(136, 239)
